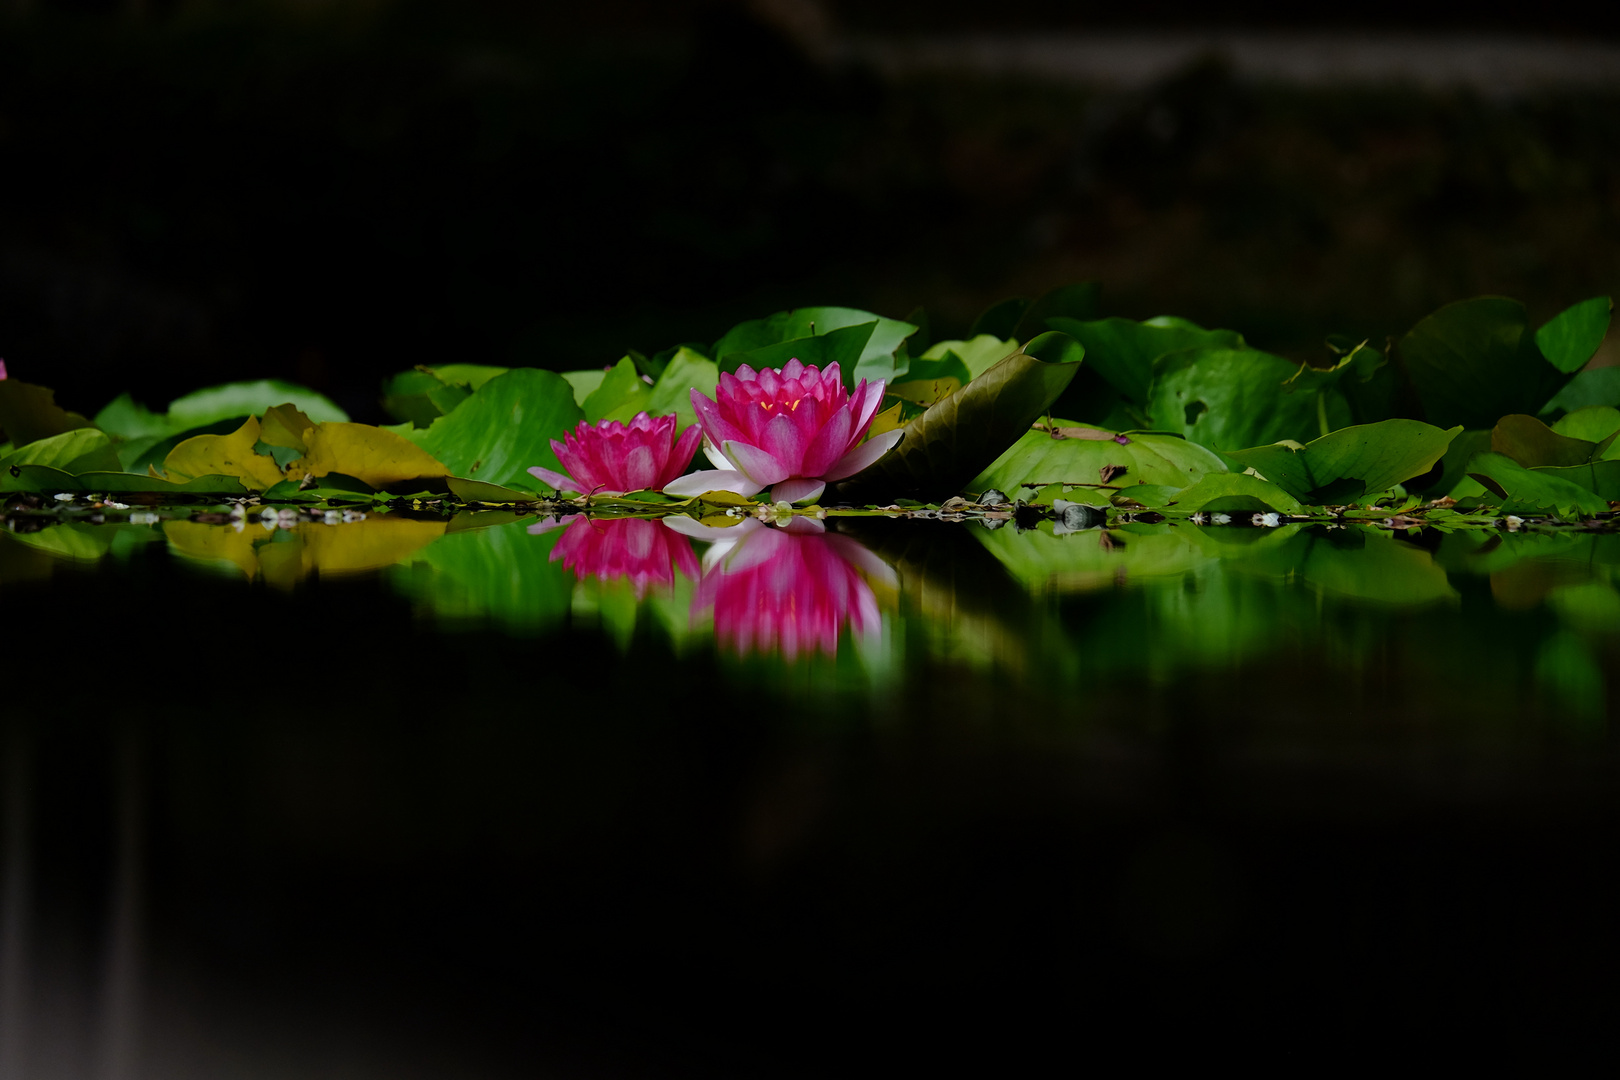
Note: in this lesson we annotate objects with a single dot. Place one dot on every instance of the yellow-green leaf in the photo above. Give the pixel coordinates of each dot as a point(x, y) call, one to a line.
point(380, 458)
point(224, 455)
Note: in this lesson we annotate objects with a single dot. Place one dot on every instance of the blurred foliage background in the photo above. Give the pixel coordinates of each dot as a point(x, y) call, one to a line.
point(328, 192)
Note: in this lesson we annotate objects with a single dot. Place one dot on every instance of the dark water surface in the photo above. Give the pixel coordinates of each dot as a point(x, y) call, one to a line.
point(490, 799)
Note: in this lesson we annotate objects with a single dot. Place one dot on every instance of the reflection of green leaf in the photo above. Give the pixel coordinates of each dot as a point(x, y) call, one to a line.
point(71, 541)
point(499, 574)
point(1037, 458)
point(1569, 339)
point(1380, 455)
point(620, 396)
point(1564, 666)
point(1081, 562)
point(1594, 606)
point(1235, 493)
point(686, 371)
point(1476, 361)
point(1227, 399)
point(504, 428)
point(1382, 570)
point(955, 440)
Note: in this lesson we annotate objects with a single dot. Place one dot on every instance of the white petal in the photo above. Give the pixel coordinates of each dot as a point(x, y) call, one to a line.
point(713, 480)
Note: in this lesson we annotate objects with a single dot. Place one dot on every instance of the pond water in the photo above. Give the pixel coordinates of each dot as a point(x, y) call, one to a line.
point(501, 795)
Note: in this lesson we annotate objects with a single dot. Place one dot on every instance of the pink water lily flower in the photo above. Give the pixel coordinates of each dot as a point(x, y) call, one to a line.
point(792, 430)
point(612, 457)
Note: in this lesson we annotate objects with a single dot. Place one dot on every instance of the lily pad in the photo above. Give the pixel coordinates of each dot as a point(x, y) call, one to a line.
point(379, 458)
point(1123, 351)
point(878, 357)
point(80, 450)
point(1149, 459)
point(1475, 361)
point(1378, 456)
point(957, 439)
point(1594, 423)
point(1228, 399)
point(686, 371)
point(1594, 386)
point(248, 398)
point(1569, 339)
point(1532, 489)
point(503, 429)
point(1235, 493)
point(620, 396)
point(29, 413)
point(1532, 443)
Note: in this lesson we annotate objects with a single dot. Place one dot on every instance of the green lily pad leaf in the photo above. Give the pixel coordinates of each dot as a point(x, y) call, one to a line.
point(248, 398)
point(620, 396)
point(1531, 443)
point(29, 413)
point(224, 455)
point(1375, 456)
point(471, 376)
point(80, 450)
point(1362, 375)
point(142, 455)
point(1602, 478)
point(1476, 361)
point(503, 429)
point(686, 371)
point(1001, 319)
point(1569, 339)
point(842, 347)
point(932, 379)
point(1534, 490)
point(40, 479)
point(978, 353)
point(1227, 399)
point(584, 382)
point(476, 491)
point(126, 483)
point(1595, 386)
point(1593, 423)
point(1081, 301)
point(1229, 492)
point(878, 357)
point(960, 437)
point(1123, 351)
point(420, 397)
point(126, 418)
point(1038, 459)
point(1454, 465)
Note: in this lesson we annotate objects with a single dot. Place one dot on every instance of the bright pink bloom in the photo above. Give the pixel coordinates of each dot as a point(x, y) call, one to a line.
point(792, 430)
point(790, 590)
point(637, 549)
point(2, 369)
point(614, 457)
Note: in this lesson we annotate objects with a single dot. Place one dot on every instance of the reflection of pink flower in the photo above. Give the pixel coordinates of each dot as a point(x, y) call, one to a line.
point(613, 457)
point(609, 548)
point(796, 429)
point(790, 590)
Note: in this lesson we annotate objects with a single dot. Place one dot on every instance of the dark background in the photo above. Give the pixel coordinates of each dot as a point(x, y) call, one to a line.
point(328, 193)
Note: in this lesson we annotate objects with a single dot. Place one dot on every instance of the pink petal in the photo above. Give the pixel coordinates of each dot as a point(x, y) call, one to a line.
point(760, 467)
point(638, 470)
point(681, 456)
point(560, 481)
point(798, 490)
point(866, 407)
point(863, 455)
point(785, 442)
point(793, 369)
point(712, 417)
point(829, 444)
